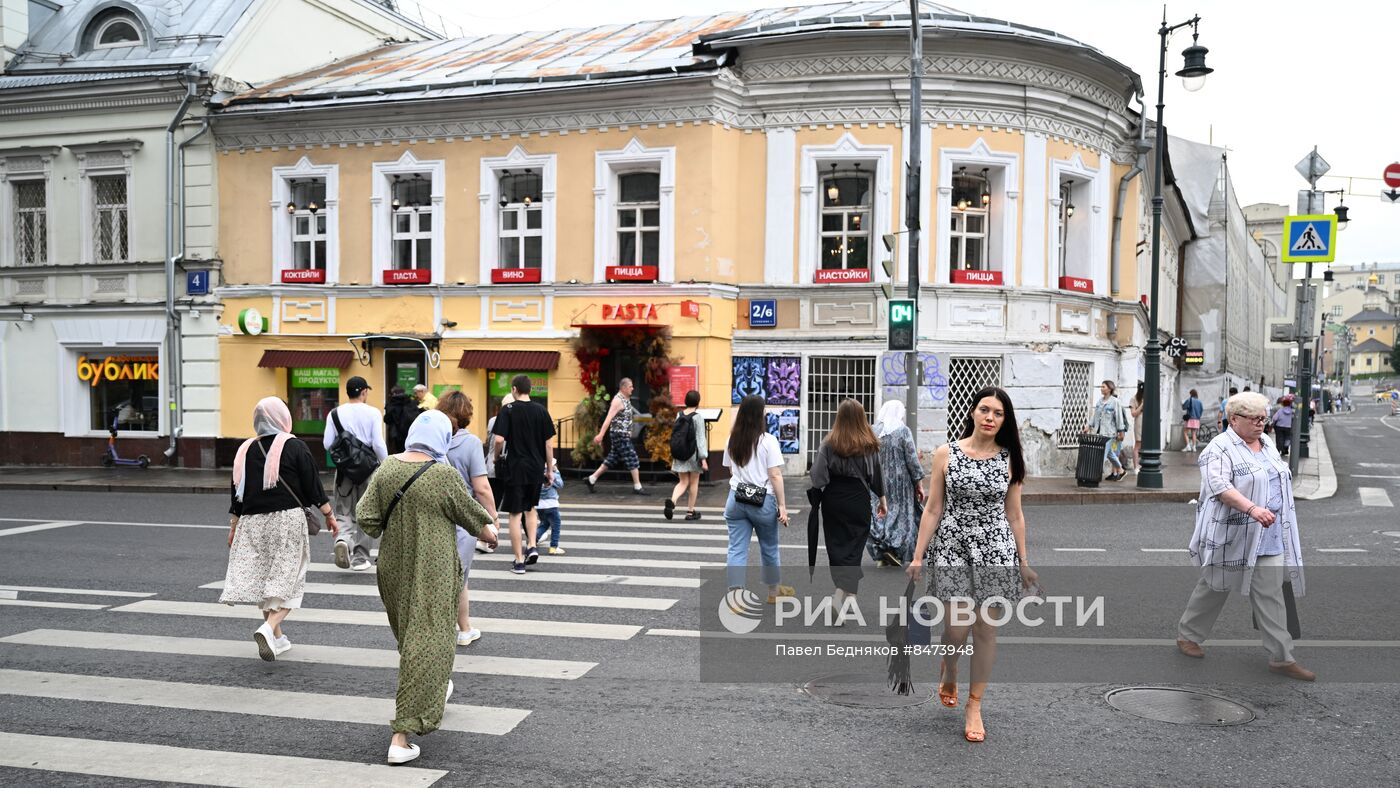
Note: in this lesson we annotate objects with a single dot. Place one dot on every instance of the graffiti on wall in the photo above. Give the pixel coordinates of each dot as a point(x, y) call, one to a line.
point(933, 383)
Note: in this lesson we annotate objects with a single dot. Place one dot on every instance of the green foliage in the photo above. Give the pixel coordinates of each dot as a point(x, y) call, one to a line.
point(1395, 357)
point(588, 417)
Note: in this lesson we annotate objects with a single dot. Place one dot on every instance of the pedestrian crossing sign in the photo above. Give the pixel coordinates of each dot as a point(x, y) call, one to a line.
point(1310, 239)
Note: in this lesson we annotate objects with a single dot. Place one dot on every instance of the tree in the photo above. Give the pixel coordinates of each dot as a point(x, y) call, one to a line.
point(1395, 357)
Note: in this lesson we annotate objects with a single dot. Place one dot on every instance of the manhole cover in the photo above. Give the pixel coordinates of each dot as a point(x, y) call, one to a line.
point(864, 690)
point(1179, 706)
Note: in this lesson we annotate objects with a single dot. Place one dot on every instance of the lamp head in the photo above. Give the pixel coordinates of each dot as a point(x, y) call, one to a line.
point(1194, 68)
point(1342, 220)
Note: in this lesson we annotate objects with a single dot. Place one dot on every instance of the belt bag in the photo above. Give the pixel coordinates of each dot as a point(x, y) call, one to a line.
point(751, 494)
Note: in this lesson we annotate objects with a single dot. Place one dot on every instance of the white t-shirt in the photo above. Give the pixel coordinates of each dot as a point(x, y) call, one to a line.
point(767, 455)
point(362, 420)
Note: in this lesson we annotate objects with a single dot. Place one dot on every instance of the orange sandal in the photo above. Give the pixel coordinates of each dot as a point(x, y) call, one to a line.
point(948, 699)
point(978, 734)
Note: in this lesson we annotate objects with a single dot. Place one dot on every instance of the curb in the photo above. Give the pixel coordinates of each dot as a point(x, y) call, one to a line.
point(1089, 499)
point(1327, 473)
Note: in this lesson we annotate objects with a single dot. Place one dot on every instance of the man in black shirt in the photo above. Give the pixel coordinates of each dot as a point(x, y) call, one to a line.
point(524, 434)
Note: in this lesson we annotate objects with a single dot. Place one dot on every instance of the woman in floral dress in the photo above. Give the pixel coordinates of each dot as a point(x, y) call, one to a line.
point(892, 537)
point(974, 534)
point(419, 572)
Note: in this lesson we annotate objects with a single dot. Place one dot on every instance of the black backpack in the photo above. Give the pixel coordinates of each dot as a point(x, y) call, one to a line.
point(683, 443)
point(353, 459)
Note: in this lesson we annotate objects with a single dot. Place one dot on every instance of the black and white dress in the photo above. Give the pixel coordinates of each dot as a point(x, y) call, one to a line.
point(974, 552)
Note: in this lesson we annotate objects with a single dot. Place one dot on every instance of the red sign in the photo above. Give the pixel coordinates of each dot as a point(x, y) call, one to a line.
point(850, 275)
point(976, 277)
point(504, 276)
point(631, 273)
point(1076, 284)
point(1392, 175)
point(683, 379)
point(690, 309)
point(303, 276)
point(408, 276)
point(630, 312)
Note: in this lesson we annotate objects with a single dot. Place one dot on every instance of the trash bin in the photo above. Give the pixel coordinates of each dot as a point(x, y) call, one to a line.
point(1089, 471)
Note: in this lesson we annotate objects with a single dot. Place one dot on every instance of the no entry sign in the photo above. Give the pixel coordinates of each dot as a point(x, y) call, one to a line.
point(1392, 175)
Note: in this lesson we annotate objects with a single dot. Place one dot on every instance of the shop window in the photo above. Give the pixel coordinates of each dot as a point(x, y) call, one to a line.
point(846, 206)
point(521, 220)
point(412, 239)
point(972, 206)
point(498, 387)
point(313, 392)
point(31, 222)
point(123, 389)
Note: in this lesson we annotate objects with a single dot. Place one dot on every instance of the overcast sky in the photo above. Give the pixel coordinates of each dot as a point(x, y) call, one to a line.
point(1289, 75)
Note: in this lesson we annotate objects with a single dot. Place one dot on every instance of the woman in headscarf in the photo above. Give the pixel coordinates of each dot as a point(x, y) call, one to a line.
point(892, 537)
point(414, 503)
point(847, 471)
point(267, 532)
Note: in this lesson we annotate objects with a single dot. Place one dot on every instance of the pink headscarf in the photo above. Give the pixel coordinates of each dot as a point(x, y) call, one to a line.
point(270, 417)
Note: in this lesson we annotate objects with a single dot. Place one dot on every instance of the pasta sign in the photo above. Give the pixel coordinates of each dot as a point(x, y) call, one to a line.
point(114, 368)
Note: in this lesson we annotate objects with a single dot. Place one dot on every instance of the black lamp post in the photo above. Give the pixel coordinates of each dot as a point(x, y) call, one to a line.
point(1193, 75)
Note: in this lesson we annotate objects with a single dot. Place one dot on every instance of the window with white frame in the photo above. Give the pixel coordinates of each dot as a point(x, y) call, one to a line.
point(846, 206)
point(307, 210)
point(109, 218)
point(638, 218)
point(972, 205)
point(30, 222)
point(412, 225)
point(116, 31)
point(520, 220)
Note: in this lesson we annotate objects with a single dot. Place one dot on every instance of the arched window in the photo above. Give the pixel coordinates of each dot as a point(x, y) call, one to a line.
point(116, 31)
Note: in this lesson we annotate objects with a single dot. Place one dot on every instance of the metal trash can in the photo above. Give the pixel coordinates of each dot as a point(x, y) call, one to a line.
point(1089, 470)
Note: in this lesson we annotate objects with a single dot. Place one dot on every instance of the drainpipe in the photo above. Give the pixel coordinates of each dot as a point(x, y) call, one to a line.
point(172, 319)
point(1142, 148)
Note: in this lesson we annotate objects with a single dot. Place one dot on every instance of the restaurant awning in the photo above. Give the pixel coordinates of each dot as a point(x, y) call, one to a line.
point(510, 360)
point(338, 359)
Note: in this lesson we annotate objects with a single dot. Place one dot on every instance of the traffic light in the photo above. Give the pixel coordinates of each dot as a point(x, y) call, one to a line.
point(902, 322)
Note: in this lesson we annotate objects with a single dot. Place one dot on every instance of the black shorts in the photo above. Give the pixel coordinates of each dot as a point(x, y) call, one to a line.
point(520, 498)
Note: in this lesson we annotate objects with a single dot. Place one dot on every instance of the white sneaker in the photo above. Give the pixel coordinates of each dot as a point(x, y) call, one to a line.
point(449, 691)
point(265, 639)
point(1187, 447)
point(469, 637)
point(281, 645)
point(398, 755)
point(482, 547)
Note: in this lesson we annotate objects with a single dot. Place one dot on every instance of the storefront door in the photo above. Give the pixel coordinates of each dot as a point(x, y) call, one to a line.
point(403, 368)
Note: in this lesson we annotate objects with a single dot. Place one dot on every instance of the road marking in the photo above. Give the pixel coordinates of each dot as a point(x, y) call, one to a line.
point(648, 548)
point(113, 522)
point(43, 525)
point(659, 526)
point(74, 591)
point(1164, 550)
point(580, 560)
point(1341, 549)
point(162, 763)
point(509, 597)
point(650, 508)
point(588, 533)
point(41, 603)
point(500, 626)
point(490, 720)
point(548, 576)
point(1367, 476)
point(1374, 496)
point(328, 655)
point(1079, 549)
point(675, 633)
point(1375, 465)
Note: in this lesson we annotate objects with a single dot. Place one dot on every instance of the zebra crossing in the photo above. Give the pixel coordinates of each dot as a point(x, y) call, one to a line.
point(626, 570)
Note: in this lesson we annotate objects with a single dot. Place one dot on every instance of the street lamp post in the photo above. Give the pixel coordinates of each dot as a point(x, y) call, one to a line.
point(1193, 75)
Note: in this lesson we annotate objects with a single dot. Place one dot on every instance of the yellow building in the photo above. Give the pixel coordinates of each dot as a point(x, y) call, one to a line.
point(451, 211)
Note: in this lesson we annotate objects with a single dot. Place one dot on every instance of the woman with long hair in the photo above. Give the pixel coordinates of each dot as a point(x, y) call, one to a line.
point(847, 471)
point(688, 469)
point(1109, 421)
point(1137, 408)
point(466, 453)
point(414, 502)
point(974, 534)
point(269, 550)
point(756, 503)
point(892, 536)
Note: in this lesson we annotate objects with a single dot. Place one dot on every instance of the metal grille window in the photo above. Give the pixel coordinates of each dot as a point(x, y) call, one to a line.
point(972, 201)
point(829, 381)
point(846, 218)
point(307, 210)
point(967, 376)
point(31, 223)
point(1077, 391)
point(109, 218)
point(639, 218)
point(412, 222)
point(521, 220)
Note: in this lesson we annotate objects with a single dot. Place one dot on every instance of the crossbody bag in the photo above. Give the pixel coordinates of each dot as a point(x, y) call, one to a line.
point(314, 520)
point(398, 496)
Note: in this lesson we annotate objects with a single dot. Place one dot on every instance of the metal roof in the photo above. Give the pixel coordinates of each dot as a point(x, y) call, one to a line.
point(339, 359)
point(1372, 345)
point(11, 81)
point(514, 360)
point(1372, 316)
point(498, 63)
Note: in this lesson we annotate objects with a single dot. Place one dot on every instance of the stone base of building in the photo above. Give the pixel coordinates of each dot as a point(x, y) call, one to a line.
point(54, 448)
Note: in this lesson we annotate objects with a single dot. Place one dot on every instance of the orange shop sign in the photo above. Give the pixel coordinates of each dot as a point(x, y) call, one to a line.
point(630, 312)
point(115, 368)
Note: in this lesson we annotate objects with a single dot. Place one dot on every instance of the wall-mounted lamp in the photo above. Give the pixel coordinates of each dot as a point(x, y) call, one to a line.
point(833, 193)
point(986, 186)
point(1069, 210)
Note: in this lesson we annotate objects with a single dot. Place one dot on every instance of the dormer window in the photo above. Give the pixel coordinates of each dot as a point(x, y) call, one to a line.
point(115, 31)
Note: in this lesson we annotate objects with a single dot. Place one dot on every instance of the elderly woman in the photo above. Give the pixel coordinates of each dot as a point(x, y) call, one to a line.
point(892, 537)
point(415, 501)
point(1246, 537)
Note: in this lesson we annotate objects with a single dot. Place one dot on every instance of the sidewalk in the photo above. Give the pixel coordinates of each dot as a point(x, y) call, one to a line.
point(1181, 482)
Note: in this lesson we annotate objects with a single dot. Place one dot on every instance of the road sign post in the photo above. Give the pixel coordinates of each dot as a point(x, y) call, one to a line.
point(1308, 239)
point(1391, 176)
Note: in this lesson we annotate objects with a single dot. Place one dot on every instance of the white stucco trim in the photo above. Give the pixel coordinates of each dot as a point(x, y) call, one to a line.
point(380, 222)
point(780, 212)
point(4, 382)
point(490, 193)
point(1004, 175)
point(846, 150)
point(608, 165)
point(10, 172)
point(1087, 241)
point(1035, 266)
point(282, 223)
point(91, 165)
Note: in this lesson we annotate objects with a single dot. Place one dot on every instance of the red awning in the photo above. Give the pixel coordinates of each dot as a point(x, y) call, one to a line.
point(510, 360)
point(339, 359)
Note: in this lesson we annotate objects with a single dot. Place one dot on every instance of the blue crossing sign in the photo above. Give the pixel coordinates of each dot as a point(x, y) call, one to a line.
point(1310, 239)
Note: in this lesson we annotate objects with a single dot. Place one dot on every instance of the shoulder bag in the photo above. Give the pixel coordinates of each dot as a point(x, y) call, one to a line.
point(398, 496)
point(751, 494)
point(314, 520)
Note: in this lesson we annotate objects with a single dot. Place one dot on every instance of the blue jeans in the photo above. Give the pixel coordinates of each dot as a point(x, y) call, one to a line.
point(1111, 452)
point(549, 521)
point(744, 521)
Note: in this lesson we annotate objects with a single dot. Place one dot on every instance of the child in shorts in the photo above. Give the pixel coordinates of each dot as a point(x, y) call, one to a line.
point(548, 509)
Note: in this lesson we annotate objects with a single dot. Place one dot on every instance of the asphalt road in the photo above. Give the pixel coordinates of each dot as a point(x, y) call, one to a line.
point(640, 715)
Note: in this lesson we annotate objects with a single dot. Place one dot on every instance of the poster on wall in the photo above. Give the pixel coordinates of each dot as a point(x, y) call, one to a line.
point(683, 379)
point(783, 425)
point(778, 380)
point(749, 374)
